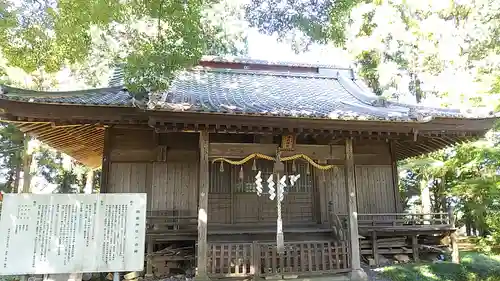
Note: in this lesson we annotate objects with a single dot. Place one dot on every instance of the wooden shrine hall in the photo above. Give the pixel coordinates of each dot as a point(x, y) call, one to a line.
point(271, 169)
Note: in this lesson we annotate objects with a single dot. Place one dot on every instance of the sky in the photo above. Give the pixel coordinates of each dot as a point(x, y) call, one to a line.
point(267, 47)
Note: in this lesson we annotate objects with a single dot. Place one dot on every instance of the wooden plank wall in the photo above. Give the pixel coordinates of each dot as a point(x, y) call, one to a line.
point(175, 185)
point(374, 182)
point(335, 192)
point(169, 177)
point(375, 189)
point(219, 195)
point(129, 177)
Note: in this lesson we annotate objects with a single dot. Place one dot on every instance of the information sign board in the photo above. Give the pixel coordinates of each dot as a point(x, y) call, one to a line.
point(72, 233)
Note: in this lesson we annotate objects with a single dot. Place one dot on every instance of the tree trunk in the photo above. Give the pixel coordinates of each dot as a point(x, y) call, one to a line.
point(27, 159)
point(89, 183)
point(418, 90)
point(17, 175)
point(425, 197)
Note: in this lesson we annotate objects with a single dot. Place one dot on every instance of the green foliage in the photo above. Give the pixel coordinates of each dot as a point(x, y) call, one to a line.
point(297, 19)
point(154, 38)
point(473, 267)
point(465, 176)
point(11, 145)
point(401, 48)
point(369, 61)
point(67, 175)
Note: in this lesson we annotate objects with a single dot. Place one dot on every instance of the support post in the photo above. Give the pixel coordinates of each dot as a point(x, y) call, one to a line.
point(357, 273)
point(455, 257)
point(106, 160)
point(395, 179)
point(149, 261)
point(415, 248)
point(201, 273)
point(375, 248)
point(26, 187)
point(27, 159)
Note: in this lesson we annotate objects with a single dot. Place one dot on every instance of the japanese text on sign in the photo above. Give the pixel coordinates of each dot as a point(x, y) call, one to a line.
point(72, 233)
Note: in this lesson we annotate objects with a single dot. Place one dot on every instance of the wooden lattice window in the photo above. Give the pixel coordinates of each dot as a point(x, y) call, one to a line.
point(306, 180)
point(245, 182)
point(220, 178)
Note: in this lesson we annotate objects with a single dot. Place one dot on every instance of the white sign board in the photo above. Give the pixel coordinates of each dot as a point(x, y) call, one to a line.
point(72, 233)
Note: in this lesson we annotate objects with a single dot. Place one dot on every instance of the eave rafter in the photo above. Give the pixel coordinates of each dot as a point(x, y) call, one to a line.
point(83, 142)
point(79, 130)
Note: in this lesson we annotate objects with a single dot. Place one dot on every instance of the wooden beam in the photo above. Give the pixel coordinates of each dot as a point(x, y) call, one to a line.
point(201, 273)
point(106, 160)
point(375, 248)
point(27, 159)
point(149, 261)
point(415, 248)
point(395, 178)
point(357, 273)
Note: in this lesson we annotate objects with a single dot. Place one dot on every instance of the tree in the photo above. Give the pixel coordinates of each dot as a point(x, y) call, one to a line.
point(150, 37)
point(396, 45)
point(11, 145)
point(309, 21)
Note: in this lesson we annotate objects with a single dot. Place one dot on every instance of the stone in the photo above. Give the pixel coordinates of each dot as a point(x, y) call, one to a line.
point(402, 258)
point(383, 260)
point(358, 275)
point(131, 275)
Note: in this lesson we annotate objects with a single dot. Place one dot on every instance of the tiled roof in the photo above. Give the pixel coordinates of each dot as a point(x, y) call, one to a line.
point(332, 93)
point(286, 94)
point(114, 96)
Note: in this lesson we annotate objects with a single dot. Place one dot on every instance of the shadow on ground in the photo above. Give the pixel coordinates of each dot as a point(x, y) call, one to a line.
point(473, 267)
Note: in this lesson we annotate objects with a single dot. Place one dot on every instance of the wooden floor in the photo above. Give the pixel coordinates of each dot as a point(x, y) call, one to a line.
point(262, 229)
point(296, 232)
point(245, 232)
point(405, 229)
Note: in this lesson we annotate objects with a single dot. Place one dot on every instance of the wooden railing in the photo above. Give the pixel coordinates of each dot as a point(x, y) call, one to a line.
point(226, 259)
point(158, 222)
point(399, 219)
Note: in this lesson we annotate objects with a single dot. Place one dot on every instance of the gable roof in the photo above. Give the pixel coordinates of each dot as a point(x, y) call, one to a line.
point(254, 87)
point(310, 98)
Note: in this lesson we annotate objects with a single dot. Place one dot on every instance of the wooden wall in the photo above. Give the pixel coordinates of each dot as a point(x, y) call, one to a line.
point(166, 167)
point(375, 189)
point(169, 176)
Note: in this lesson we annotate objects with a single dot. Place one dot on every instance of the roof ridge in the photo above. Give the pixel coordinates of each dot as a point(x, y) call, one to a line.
point(14, 91)
point(246, 60)
point(260, 72)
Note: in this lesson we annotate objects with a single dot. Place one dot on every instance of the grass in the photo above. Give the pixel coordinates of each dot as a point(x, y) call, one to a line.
point(473, 267)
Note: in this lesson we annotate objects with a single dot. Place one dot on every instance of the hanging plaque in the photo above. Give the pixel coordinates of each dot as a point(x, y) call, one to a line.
point(287, 143)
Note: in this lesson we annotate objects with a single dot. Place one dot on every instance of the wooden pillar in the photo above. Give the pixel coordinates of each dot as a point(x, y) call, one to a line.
point(106, 160)
point(455, 257)
point(415, 248)
point(357, 273)
point(201, 273)
point(395, 179)
point(26, 187)
point(149, 261)
point(27, 159)
point(375, 248)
